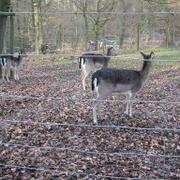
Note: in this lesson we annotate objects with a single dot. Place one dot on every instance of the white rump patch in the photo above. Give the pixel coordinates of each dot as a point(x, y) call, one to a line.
point(3, 61)
point(96, 86)
point(83, 63)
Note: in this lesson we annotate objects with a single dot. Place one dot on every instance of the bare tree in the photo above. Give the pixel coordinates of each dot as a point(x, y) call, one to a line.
point(97, 20)
point(122, 22)
point(100, 19)
point(166, 21)
point(82, 5)
point(155, 28)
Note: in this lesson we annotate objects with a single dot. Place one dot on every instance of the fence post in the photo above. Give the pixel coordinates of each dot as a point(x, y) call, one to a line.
point(11, 34)
point(138, 36)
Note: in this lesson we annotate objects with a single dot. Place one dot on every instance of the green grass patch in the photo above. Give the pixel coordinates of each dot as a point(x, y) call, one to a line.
point(42, 60)
point(124, 59)
point(133, 59)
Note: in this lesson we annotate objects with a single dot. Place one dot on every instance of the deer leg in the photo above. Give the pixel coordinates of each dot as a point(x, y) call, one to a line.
point(84, 76)
point(95, 113)
point(129, 104)
point(100, 97)
point(7, 74)
point(3, 74)
point(95, 109)
point(16, 74)
point(84, 82)
point(13, 72)
point(130, 109)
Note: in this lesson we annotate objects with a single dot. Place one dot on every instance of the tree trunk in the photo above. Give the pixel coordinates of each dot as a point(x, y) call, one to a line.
point(86, 33)
point(97, 31)
point(97, 37)
point(138, 37)
point(122, 32)
point(59, 37)
point(170, 33)
point(122, 24)
point(4, 6)
point(36, 8)
point(18, 25)
point(11, 34)
point(3, 20)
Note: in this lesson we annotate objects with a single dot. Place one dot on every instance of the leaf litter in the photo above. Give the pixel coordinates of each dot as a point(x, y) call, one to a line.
point(58, 98)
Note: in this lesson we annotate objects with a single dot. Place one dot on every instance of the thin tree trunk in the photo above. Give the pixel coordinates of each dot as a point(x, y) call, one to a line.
point(4, 6)
point(18, 27)
point(122, 24)
point(97, 31)
point(122, 32)
point(60, 38)
point(3, 20)
point(86, 34)
point(11, 34)
point(25, 26)
point(138, 37)
point(37, 24)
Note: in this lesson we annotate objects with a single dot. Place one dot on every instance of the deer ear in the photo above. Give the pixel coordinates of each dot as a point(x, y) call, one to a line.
point(142, 54)
point(152, 53)
point(20, 51)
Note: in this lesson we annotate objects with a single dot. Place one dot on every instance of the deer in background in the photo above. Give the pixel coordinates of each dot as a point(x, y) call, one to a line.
point(88, 62)
point(129, 82)
point(11, 63)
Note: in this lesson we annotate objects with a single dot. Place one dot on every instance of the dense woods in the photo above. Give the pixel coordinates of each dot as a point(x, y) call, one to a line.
point(68, 25)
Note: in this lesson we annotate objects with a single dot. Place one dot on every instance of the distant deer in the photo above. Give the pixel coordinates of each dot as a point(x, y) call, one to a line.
point(11, 63)
point(88, 61)
point(129, 82)
point(44, 48)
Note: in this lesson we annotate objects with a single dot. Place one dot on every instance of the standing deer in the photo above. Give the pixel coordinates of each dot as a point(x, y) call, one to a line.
point(88, 61)
point(11, 63)
point(129, 82)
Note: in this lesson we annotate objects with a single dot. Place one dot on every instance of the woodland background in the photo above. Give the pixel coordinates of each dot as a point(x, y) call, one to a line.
point(46, 129)
point(67, 25)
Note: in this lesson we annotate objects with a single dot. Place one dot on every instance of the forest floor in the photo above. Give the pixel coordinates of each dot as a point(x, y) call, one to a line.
point(34, 144)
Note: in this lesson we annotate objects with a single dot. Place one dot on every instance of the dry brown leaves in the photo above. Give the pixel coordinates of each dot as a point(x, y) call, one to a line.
point(69, 105)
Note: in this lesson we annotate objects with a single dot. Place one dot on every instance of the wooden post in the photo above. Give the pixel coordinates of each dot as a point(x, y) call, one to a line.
point(3, 16)
point(11, 34)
